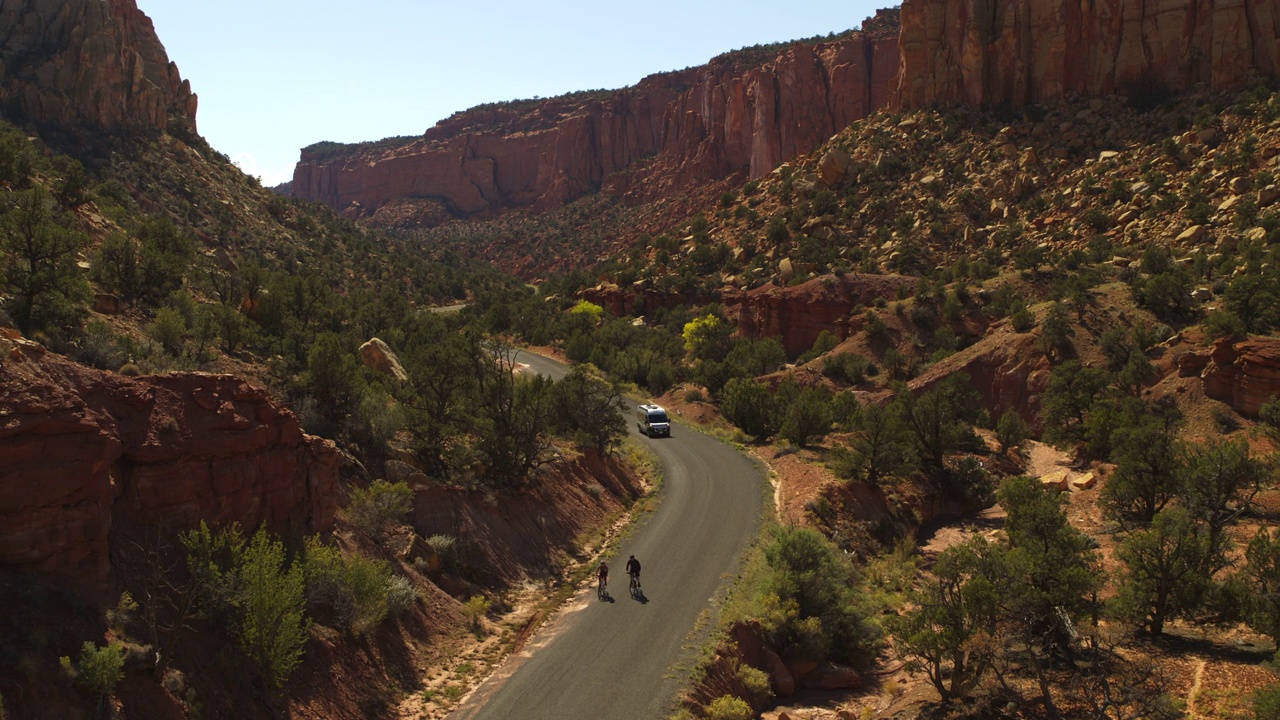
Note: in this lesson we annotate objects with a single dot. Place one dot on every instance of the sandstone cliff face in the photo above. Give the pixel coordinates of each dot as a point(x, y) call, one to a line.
point(684, 127)
point(1243, 374)
point(83, 453)
point(87, 64)
point(1002, 52)
point(797, 315)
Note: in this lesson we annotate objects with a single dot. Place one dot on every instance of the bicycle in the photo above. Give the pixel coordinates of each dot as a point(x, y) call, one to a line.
point(635, 586)
point(602, 588)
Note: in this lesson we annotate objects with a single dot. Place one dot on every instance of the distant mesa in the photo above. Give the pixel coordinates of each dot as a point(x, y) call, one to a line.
point(744, 113)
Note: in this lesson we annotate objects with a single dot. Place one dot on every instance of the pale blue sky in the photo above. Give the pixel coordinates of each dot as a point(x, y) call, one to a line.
point(276, 75)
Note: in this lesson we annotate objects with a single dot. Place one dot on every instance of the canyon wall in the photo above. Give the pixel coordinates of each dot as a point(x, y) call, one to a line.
point(78, 65)
point(740, 113)
point(86, 454)
point(998, 52)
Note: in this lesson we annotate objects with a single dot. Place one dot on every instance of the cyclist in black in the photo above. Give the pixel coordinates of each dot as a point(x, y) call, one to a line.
point(633, 569)
point(603, 574)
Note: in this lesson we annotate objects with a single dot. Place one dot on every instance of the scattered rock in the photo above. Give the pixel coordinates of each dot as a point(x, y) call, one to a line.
point(830, 676)
point(1192, 235)
point(833, 167)
point(377, 355)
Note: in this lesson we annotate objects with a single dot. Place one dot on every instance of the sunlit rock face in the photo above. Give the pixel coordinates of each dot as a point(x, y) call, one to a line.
point(88, 65)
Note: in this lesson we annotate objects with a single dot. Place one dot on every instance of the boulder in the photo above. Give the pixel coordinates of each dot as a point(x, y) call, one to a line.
point(784, 684)
point(833, 167)
point(1192, 235)
point(417, 549)
point(1056, 480)
point(377, 355)
point(1084, 482)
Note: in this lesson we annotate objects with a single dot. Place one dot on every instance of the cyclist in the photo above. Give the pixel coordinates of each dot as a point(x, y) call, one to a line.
point(603, 575)
point(633, 569)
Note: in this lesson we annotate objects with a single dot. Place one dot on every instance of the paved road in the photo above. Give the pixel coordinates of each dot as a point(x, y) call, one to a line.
point(627, 659)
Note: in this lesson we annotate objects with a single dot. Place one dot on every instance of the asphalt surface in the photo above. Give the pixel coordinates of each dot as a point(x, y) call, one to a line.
point(628, 658)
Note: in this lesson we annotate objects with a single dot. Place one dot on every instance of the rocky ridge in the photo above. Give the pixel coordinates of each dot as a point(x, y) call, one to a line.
point(85, 455)
point(80, 65)
point(731, 116)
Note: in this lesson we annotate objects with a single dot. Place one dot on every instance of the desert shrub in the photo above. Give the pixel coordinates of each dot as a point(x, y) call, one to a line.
point(813, 607)
point(807, 416)
point(375, 510)
point(401, 595)
point(446, 546)
point(693, 395)
point(749, 405)
point(729, 707)
point(99, 348)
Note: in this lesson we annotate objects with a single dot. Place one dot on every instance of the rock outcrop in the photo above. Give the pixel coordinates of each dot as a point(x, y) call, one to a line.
point(998, 52)
point(797, 315)
point(85, 455)
point(1242, 373)
point(88, 64)
point(738, 114)
point(1007, 369)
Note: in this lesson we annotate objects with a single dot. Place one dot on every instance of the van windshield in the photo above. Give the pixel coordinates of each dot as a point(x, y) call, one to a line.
point(657, 417)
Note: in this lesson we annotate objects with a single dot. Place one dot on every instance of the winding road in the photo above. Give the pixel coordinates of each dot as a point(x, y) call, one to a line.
point(629, 658)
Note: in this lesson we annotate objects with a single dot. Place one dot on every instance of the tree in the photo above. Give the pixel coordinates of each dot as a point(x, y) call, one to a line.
point(1261, 577)
point(749, 405)
point(951, 631)
point(1011, 430)
point(98, 670)
point(442, 369)
point(514, 432)
point(591, 408)
point(1051, 568)
point(707, 338)
point(1255, 299)
point(1072, 392)
point(807, 416)
point(1165, 569)
point(814, 591)
point(1222, 479)
point(1055, 331)
point(875, 447)
point(43, 282)
point(332, 376)
point(273, 624)
point(1149, 473)
point(938, 422)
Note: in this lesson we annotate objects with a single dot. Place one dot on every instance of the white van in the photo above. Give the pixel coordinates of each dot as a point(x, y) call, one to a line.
point(652, 420)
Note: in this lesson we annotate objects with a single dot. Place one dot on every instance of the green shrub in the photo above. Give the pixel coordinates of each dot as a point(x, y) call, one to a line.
point(756, 682)
point(348, 591)
point(99, 669)
point(1011, 430)
point(728, 707)
point(475, 609)
point(273, 625)
point(1022, 320)
point(375, 510)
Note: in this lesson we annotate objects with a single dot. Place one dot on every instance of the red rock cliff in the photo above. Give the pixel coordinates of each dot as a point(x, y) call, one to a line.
point(84, 453)
point(95, 64)
point(1004, 52)
point(733, 115)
